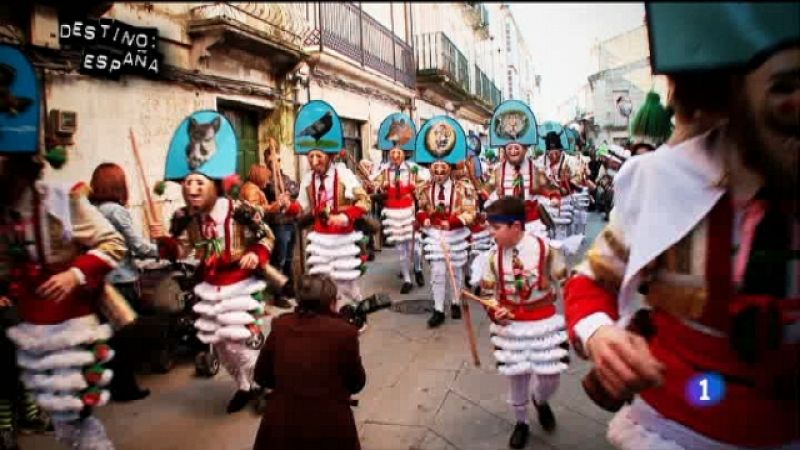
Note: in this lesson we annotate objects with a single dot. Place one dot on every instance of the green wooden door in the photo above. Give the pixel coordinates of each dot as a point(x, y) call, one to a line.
point(245, 126)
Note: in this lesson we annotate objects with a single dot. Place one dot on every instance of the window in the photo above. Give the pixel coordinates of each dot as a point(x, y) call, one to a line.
point(351, 129)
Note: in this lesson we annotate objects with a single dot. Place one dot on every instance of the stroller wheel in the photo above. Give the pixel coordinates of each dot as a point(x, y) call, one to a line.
point(206, 364)
point(256, 341)
point(164, 360)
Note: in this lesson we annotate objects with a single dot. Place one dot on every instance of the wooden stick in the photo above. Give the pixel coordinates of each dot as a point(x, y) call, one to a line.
point(151, 207)
point(486, 303)
point(473, 343)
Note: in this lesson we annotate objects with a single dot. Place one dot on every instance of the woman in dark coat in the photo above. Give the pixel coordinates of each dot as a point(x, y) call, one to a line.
point(311, 361)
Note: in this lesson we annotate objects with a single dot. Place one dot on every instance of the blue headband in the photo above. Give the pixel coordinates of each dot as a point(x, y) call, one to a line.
point(502, 218)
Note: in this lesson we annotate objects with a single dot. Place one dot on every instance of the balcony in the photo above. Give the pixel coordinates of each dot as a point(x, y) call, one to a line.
point(345, 28)
point(273, 29)
point(485, 90)
point(440, 61)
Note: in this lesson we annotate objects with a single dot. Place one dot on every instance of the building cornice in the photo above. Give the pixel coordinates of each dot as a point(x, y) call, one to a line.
point(328, 69)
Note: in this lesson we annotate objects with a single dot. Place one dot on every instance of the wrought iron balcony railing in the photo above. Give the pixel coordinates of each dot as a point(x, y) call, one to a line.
point(485, 89)
point(347, 29)
point(437, 55)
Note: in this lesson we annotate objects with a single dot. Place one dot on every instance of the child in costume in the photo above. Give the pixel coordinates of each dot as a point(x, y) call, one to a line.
point(527, 333)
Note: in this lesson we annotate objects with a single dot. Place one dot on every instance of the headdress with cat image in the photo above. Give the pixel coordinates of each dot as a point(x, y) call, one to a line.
point(441, 139)
point(397, 129)
point(203, 143)
point(318, 128)
point(512, 122)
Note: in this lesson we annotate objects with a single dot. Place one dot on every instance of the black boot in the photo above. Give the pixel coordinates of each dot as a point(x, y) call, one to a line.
point(455, 312)
point(406, 288)
point(520, 435)
point(546, 418)
point(420, 278)
point(239, 400)
point(436, 319)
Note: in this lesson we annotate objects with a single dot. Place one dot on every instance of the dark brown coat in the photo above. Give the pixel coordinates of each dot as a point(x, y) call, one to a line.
point(313, 366)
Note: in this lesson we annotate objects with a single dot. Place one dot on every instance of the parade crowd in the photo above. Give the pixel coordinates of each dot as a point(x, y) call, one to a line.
point(689, 278)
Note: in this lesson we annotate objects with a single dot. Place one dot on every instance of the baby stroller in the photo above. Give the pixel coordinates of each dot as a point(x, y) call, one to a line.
point(168, 290)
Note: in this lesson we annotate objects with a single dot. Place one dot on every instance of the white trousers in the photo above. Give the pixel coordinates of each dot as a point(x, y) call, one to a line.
point(405, 249)
point(440, 283)
point(239, 361)
point(544, 386)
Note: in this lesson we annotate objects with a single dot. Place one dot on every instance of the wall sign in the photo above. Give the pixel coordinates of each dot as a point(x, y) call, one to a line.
point(112, 48)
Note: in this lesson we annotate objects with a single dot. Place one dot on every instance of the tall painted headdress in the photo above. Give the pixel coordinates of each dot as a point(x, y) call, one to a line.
point(203, 143)
point(20, 106)
point(512, 121)
point(19, 110)
point(318, 127)
point(552, 136)
point(397, 129)
point(441, 139)
point(704, 36)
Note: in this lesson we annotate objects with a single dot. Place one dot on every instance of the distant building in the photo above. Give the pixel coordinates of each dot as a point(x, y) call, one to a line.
point(623, 76)
point(619, 84)
point(520, 80)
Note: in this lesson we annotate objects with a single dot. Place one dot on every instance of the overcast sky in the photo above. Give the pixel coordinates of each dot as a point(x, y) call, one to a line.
point(555, 31)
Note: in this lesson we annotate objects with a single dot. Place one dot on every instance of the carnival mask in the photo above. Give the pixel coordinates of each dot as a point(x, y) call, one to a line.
point(199, 192)
point(397, 156)
point(514, 153)
point(318, 161)
point(440, 171)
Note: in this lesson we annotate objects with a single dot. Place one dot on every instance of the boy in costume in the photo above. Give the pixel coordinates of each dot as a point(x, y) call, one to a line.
point(527, 332)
